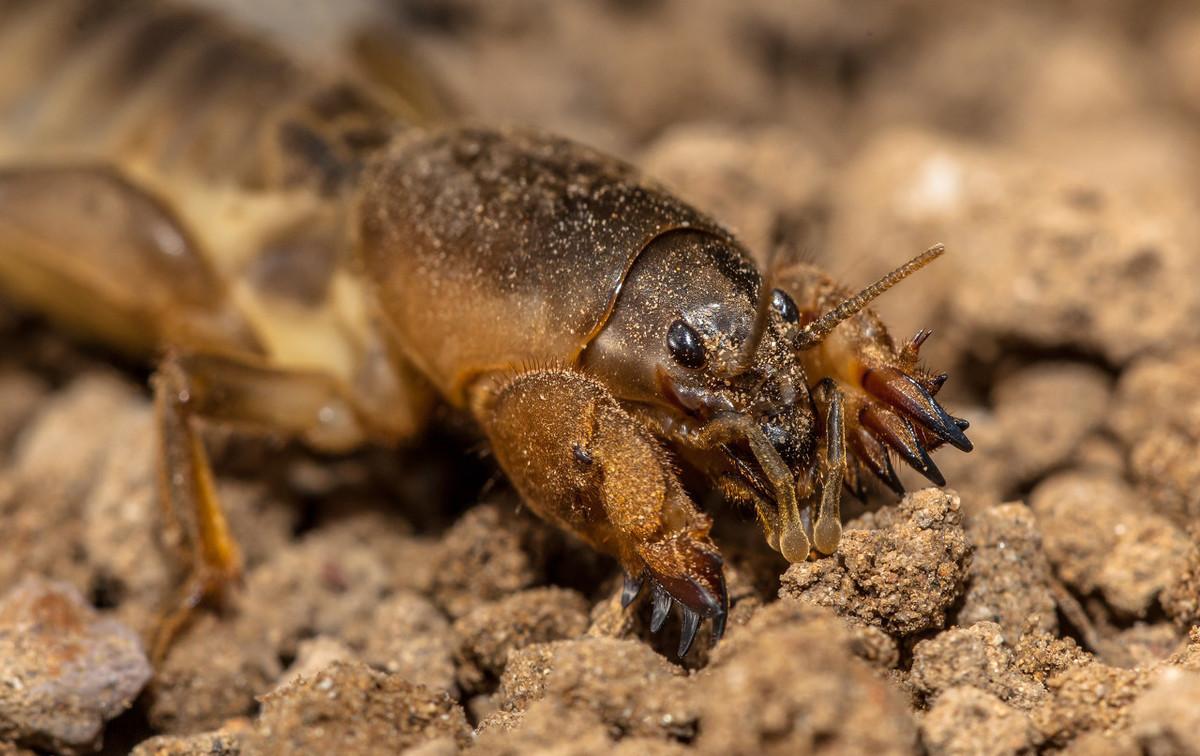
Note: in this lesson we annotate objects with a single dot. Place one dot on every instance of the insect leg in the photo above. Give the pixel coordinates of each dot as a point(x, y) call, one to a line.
point(827, 532)
point(889, 405)
point(735, 490)
point(193, 388)
point(786, 525)
point(105, 258)
point(193, 517)
point(586, 465)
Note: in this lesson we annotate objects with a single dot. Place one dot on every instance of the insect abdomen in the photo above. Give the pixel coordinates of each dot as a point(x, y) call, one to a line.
point(174, 89)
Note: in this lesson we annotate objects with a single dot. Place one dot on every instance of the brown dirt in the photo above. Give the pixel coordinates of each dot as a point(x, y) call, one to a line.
point(1049, 602)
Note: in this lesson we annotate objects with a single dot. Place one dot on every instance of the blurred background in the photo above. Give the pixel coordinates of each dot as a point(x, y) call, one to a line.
point(622, 73)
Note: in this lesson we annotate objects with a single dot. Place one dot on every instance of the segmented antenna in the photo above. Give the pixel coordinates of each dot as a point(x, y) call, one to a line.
point(815, 332)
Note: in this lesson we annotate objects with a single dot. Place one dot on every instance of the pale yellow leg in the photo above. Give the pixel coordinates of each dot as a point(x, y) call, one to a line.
point(189, 389)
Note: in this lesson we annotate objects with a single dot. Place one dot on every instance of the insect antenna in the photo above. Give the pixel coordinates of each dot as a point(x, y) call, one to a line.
point(815, 332)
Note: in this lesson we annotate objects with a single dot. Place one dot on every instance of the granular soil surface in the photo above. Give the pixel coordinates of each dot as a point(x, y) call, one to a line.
point(401, 601)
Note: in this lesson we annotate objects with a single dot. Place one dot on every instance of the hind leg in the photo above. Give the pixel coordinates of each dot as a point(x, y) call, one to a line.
point(192, 389)
point(195, 522)
point(106, 260)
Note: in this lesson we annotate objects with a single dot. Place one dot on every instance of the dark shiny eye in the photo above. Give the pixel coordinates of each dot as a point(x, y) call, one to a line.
point(685, 345)
point(784, 305)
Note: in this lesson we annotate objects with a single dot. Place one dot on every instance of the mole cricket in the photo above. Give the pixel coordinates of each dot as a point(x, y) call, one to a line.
point(306, 257)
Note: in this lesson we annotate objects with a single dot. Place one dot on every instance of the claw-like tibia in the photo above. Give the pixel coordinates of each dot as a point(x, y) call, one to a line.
point(895, 431)
point(889, 399)
point(905, 394)
point(687, 572)
point(890, 405)
point(896, 412)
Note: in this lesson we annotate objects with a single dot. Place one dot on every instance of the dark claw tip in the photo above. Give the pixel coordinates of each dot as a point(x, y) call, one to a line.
point(718, 625)
point(931, 471)
point(950, 431)
point(905, 393)
point(687, 633)
point(945, 427)
point(661, 608)
point(892, 480)
point(701, 596)
point(630, 590)
point(924, 465)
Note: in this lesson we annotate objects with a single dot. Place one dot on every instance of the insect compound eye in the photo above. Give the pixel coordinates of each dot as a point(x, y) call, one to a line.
point(685, 345)
point(784, 305)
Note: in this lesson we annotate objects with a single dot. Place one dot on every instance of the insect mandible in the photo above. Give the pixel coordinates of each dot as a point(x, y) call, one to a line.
point(301, 258)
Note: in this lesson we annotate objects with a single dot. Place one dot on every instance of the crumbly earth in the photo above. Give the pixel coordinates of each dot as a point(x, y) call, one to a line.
point(67, 670)
point(402, 601)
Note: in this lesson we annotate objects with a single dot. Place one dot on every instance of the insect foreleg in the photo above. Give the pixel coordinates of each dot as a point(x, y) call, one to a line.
point(888, 396)
point(583, 463)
